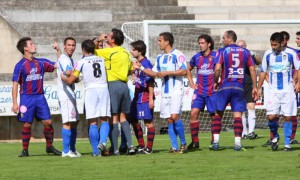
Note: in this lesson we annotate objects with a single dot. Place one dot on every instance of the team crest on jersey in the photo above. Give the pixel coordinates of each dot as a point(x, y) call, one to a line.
point(210, 59)
point(181, 58)
point(33, 76)
point(284, 57)
point(33, 71)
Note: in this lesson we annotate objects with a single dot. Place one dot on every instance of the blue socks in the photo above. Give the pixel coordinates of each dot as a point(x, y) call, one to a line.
point(73, 139)
point(180, 131)
point(104, 131)
point(94, 138)
point(66, 136)
point(273, 125)
point(172, 135)
point(287, 130)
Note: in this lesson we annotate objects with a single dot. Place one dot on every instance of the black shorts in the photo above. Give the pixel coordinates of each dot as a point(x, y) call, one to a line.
point(248, 87)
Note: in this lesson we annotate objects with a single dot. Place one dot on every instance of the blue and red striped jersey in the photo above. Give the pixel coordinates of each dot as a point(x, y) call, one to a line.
point(234, 59)
point(30, 74)
point(205, 72)
point(142, 81)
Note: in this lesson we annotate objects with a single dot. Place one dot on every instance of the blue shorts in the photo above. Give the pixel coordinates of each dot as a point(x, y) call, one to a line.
point(33, 106)
point(200, 101)
point(232, 94)
point(140, 111)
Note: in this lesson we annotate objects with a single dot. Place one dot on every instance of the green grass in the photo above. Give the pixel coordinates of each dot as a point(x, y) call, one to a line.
point(256, 163)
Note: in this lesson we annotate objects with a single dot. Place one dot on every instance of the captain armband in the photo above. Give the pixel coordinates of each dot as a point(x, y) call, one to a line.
point(76, 73)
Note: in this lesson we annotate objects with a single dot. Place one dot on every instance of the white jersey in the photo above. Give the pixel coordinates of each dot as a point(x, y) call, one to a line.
point(64, 91)
point(172, 61)
point(279, 67)
point(93, 70)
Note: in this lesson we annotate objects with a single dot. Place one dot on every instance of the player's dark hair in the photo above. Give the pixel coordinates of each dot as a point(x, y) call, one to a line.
point(22, 43)
point(140, 46)
point(208, 39)
point(286, 35)
point(298, 33)
point(168, 37)
point(231, 34)
point(69, 38)
point(277, 36)
point(118, 36)
point(88, 46)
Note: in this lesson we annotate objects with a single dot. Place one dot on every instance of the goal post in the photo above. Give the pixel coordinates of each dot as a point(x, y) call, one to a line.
point(256, 33)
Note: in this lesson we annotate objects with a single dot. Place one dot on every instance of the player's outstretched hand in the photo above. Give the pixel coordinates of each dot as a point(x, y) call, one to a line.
point(55, 45)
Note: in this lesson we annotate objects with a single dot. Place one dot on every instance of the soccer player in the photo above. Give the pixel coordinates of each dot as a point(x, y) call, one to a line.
point(278, 63)
point(118, 67)
point(29, 74)
point(170, 67)
point(249, 99)
point(142, 104)
point(204, 94)
point(233, 60)
point(67, 100)
point(294, 119)
point(96, 98)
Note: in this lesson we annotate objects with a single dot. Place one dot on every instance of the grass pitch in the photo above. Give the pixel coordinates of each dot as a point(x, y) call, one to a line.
point(256, 163)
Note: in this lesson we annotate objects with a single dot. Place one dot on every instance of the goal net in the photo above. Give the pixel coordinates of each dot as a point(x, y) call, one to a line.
point(186, 33)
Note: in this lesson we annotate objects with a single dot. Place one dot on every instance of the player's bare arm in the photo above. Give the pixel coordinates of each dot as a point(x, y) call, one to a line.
point(217, 72)
point(190, 78)
point(297, 87)
point(149, 72)
point(15, 107)
point(151, 95)
point(180, 72)
point(71, 78)
point(254, 82)
point(262, 77)
point(56, 47)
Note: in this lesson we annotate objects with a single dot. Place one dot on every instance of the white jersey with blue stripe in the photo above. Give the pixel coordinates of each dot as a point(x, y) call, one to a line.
point(172, 61)
point(279, 68)
point(64, 90)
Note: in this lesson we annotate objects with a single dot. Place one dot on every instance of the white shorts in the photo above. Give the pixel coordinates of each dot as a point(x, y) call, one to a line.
point(97, 102)
point(171, 104)
point(68, 109)
point(281, 103)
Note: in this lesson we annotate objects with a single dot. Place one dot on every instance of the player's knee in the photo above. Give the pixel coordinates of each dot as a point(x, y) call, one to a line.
point(47, 122)
point(27, 125)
